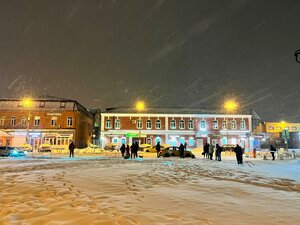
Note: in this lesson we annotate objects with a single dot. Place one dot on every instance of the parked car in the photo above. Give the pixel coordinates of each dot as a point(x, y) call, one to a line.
point(12, 151)
point(44, 148)
point(111, 146)
point(153, 148)
point(26, 147)
point(228, 147)
point(144, 147)
point(174, 151)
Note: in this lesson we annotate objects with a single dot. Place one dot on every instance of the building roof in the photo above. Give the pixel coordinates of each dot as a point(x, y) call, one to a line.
point(168, 110)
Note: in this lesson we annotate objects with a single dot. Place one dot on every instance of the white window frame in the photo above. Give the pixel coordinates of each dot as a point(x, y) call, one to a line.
point(53, 121)
point(173, 124)
point(233, 125)
point(215, 125)
point(191, 124)
point(224, 124)
point(117, 124)
point(108, 123)
point(243, 125)
point(70, 121)
point(13, 121)
point(202, 122)
point(158, 124)
point(139, 124)
point(182, 124)
point(148, 124)
point(2, 121)
point(37, 121)
point(23, 121)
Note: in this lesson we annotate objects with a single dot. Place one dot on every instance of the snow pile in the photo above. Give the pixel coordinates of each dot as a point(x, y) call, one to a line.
point(111, 190)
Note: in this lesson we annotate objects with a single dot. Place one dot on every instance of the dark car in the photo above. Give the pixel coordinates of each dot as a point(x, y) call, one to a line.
point(174, 151)
point(12, 151)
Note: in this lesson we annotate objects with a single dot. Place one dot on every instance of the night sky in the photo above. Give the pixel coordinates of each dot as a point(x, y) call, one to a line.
point(170, 53)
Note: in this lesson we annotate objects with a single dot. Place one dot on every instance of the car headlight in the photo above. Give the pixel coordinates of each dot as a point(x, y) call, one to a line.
point(15, 152)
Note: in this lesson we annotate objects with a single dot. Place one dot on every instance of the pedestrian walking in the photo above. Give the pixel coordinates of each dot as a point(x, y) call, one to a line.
point(219, 150)
point(272, 151)
point(158, 147)
point(206, 150)
point(136, 149)
point(211, 152)
point(127, 152)
point(239, 154)
point(71, 149)
point(122, 149)
point(181, 151)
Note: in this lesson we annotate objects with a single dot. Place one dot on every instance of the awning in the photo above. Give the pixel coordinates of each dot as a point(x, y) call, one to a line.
point(4, 134)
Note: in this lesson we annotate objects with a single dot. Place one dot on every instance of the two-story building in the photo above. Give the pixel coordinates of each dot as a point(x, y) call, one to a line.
point(51, 120)
point(174, 126)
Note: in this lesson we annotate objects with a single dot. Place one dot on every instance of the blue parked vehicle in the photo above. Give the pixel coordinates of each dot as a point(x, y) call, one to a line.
point(12, 151)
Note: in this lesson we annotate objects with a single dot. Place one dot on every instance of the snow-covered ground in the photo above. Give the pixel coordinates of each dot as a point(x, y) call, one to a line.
point(111, 190)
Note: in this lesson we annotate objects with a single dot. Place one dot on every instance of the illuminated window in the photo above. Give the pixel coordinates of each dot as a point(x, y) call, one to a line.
point(37, 121)
point(173, 124)
point(243, 125)
point(203, 125)
point(278, 128)
point(70, 121)
point(108, 123)
point(191, 141)
point(148, 124)
point(271, 127)
point(42, 104)
point(158, 124)
point(13, 121)
point(53, 121)
point(139, 124)
point(294, 128)
point(117, 124)
point(191, 124)
point(181, 124)
point(215, 125)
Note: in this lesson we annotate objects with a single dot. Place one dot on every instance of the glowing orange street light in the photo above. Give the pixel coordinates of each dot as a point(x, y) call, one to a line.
point(230, 105)
point(140, 106)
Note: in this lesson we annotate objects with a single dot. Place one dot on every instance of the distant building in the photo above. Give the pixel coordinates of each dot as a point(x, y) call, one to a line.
point(51, 120)
point(174, 126)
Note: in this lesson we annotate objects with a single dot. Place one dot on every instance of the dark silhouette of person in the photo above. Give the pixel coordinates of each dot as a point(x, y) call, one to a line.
point(136, 149)
point(239, 154)
point(181, 151)
point(211, 151)
point(132, 149)
point(219, 150)
point(122, 149)
point(127, 151)
point(272, 151)
point(158, 147)
point(206, 150)
point(71, 149)
point(185, 145)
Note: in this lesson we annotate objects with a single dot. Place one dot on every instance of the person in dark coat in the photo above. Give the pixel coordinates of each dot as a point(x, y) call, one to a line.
point(136, 148)
point(181, 151)
point(273, 150)
point(219, 150)
point(239, 154)
point(206, 150)
point(122, 149)
point(71, 148)
point(127, 151)
point(158, 147)
point(132, 149)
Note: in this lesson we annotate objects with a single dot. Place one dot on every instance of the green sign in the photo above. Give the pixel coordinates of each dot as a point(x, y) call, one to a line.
point(132, 135)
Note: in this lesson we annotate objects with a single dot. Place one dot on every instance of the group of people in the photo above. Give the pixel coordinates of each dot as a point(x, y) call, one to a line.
point(130, 152)
point(209, 150)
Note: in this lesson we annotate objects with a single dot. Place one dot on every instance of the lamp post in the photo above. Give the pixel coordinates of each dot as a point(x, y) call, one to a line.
point(140, 107)
point(27, 103)
point(230, 106)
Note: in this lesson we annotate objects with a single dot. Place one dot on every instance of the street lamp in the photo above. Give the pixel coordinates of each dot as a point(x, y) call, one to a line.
point(230, 106)
point(140, 106)
point(27, 103)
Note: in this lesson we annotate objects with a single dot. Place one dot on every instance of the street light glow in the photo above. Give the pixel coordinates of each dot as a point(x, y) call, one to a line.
point(27, 102)
point(140, 106)
point(230, 105)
